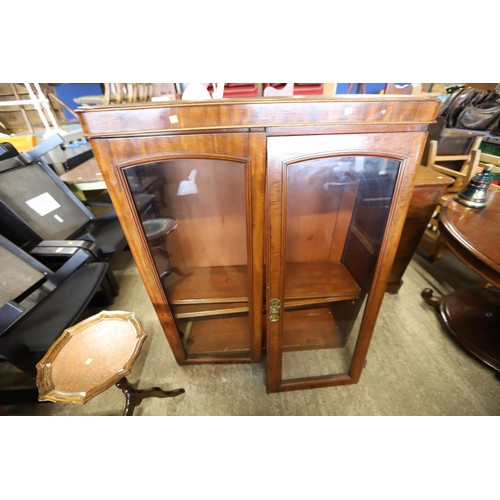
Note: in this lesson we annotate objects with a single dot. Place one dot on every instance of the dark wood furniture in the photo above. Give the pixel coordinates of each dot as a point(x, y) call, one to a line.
point(429, 187)
point(473, 316)
point(88, 185)
point(84, 177)
point(92, 356)
point(460, 167)
point(289, 212)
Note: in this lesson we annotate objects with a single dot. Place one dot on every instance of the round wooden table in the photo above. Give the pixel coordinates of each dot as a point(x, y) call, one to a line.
point(93, 355)
point(472, 316)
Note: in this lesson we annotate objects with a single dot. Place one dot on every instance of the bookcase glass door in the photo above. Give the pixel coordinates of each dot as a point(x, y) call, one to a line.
point(334, 215)
point(193, 214)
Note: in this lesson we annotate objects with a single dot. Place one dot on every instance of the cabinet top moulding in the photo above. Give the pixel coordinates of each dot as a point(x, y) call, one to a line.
point(319, 111)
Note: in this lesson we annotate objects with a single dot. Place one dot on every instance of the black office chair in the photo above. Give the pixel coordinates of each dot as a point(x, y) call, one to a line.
point(36, 206)
point(37, 304)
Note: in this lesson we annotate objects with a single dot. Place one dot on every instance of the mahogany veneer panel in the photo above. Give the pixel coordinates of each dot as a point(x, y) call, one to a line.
point(266, 112)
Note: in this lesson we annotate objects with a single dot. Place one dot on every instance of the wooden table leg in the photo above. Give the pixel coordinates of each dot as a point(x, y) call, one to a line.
point(135, 396)
point(428, 295)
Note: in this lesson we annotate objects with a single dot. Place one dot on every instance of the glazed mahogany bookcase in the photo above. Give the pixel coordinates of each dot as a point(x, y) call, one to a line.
point(271, 224)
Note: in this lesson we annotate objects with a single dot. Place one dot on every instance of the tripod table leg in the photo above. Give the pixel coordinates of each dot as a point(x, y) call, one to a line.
point(135, 396)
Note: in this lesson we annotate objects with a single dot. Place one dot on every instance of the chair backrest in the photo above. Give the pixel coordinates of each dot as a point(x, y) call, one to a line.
point(95, 100)
point(20, 272)
point(34, 201)
point(463, 174)
point(26, 281)
point(21, 275)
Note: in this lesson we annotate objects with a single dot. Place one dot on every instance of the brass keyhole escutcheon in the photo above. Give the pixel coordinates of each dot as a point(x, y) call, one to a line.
point(274, 306)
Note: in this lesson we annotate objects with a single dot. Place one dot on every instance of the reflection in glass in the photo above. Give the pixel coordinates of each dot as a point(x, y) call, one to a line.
point(193, 213)
point(336, 214)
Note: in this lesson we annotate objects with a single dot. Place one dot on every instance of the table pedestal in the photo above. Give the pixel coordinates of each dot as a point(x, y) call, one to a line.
point(135, 396)
point(473, 318)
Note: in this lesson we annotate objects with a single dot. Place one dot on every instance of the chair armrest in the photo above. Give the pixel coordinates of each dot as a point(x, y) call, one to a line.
point(448, 171)
point(65, 248)
point(11, 312)
point(110, 215)
point(80, 258)
point(34, 154)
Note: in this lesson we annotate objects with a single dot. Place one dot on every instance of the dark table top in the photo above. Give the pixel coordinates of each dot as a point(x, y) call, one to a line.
point(477, 230)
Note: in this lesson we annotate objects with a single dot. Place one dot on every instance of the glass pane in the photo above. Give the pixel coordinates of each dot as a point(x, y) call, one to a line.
point(193, 213)
point(336, 213)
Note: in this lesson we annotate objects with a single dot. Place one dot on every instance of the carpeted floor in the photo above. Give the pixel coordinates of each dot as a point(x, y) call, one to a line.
point(413, 368)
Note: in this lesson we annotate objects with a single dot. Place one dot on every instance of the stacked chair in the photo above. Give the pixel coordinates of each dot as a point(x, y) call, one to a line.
point(41, 215)
point(37, 304)
point(56, 257)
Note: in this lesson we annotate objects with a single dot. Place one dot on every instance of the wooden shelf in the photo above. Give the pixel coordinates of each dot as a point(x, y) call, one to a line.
point(304, 329)
point(206, 310)
point(220, 336)
point(207, 285)
point(318, 280)
point(306, 284)
point(313, 328)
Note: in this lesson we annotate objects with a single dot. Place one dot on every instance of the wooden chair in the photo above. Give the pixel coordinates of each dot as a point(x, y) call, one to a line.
point(136, 92)
point(95, 100)
point(114, 93)
point(432, 240)
point(461, 175)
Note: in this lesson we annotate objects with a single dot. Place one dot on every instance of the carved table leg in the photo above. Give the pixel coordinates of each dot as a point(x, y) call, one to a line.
point(135, 396)
point(427, 295)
